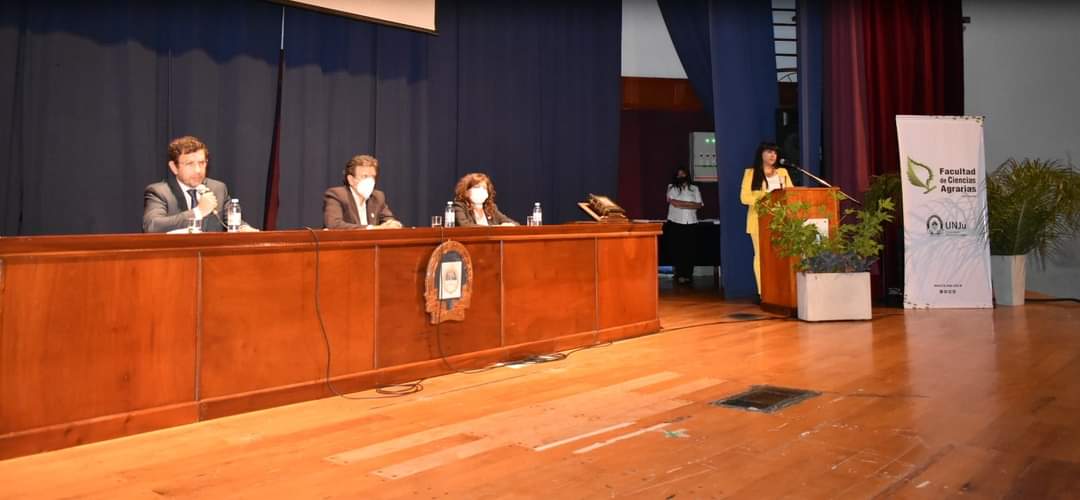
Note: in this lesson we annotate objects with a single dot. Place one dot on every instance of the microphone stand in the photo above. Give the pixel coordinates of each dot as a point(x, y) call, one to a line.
point(819, 180)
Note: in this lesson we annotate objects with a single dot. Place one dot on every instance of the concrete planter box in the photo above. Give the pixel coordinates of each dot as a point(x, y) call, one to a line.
point(1009, 276)
point(833, 296)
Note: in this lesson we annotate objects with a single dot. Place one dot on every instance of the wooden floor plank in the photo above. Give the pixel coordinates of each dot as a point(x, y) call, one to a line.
point(914, 404)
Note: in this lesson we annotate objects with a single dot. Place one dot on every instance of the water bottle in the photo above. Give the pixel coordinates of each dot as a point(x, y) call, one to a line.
point(233, 219)
point(538, 214)
point(448, 216)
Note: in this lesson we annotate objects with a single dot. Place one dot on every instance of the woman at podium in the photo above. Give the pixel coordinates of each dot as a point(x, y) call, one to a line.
point(764, 176)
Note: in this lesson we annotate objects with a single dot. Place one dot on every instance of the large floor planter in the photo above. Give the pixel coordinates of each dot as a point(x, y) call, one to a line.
point(1009, 277)
point(833, 296)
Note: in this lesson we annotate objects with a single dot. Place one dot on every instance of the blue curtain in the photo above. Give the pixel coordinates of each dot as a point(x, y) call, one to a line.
point(727, 50)
point(688, 24)
point(811, 64)
point(327, 109)
point(746, 97)
point(528, 93)
point(92, 92)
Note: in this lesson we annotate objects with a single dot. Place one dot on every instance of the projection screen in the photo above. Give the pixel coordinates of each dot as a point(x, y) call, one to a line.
point(411, 14)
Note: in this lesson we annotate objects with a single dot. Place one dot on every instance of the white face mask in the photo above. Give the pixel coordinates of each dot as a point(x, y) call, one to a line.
point(365, 187)
point(478, 195)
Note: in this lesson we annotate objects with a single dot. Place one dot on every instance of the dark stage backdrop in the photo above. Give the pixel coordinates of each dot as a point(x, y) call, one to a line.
point(92, 92)
point(528, 93)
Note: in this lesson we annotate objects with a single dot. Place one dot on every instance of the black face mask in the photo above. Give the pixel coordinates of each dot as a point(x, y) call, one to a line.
point(681, 178)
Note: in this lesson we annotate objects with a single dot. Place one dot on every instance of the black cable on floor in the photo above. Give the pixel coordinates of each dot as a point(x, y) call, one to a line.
point(389, 391)
point(404, 389)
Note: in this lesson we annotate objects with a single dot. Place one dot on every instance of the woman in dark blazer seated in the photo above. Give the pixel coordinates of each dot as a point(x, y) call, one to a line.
point(474, 203)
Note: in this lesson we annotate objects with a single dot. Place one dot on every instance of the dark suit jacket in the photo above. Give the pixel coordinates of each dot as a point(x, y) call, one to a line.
point(463, 216)
point(340, 210)
point(165, 206)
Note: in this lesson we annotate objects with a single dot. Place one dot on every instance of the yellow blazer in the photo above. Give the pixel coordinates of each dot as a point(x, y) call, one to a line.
point(749, 197)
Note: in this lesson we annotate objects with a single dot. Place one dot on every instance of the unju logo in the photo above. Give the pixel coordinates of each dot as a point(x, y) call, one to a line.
point(920, 175)
point(934, 225)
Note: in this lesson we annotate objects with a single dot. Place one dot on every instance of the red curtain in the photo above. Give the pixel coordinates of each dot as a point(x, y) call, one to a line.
point(914, 65)
point(846, 127)
point(652, 144)
point(885, 58)
point(273, 169)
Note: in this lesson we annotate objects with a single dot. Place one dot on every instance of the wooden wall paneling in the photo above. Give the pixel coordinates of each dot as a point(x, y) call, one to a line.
point(549, 289)
point(406, 334)
point(260, 329)
point(91, 337)
point(627, 281)
point(672, 94)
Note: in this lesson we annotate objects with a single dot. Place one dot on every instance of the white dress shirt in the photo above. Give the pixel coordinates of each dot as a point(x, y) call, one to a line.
point(683, 215)
point(187, 199)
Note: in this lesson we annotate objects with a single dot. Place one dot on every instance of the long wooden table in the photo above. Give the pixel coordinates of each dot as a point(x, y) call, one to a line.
point(109, 335)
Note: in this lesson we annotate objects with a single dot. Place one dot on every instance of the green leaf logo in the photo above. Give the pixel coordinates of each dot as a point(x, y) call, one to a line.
point(913, 176)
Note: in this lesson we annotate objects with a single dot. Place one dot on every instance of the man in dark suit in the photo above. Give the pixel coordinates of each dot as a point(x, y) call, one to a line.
point(186, 195)
point(357, 204)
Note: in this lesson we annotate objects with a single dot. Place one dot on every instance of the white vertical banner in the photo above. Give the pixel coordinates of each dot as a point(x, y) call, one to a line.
point(943, 174)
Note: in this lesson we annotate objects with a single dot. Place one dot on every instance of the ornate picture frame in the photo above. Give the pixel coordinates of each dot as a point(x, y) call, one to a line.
point(448, 284)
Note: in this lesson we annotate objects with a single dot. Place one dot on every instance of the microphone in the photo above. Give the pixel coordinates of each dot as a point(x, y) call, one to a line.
point(203, 189)
point(788, 163)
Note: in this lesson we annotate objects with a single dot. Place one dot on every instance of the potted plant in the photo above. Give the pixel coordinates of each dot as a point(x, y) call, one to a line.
point(833, 279)
point(892, 256)
point(1033, 207)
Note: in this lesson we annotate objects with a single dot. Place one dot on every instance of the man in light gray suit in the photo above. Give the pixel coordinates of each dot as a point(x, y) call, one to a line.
point(187, 194)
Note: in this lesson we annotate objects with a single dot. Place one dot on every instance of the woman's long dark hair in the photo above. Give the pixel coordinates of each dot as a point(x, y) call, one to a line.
point(759, 168)
point(683, 184)
point(467, 182)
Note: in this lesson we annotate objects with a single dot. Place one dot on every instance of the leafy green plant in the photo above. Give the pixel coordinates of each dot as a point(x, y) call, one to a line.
point(1034, 205)
point(853, 247)
point(885, 186)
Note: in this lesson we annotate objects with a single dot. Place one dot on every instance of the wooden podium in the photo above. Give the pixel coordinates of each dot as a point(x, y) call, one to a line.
point(777, 273)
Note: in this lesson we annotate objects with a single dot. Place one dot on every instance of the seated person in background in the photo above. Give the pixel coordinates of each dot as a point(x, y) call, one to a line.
point(187, 193)
point(474, 203)
point(357, 204)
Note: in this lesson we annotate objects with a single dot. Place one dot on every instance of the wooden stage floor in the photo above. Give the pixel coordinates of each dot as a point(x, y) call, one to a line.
point(926, 404)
